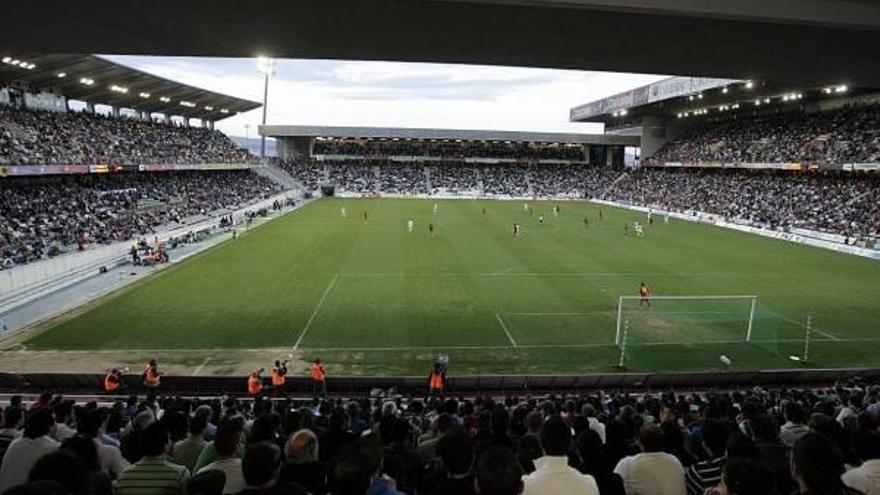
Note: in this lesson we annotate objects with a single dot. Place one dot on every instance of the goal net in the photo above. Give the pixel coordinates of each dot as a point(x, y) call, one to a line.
point(670, 329)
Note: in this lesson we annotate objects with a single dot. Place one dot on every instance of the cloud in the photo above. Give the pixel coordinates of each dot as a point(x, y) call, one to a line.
point(393, 94)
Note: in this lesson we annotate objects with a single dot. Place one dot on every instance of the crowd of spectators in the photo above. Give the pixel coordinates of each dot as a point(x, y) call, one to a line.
point(43, 217)
point(741, 442)
point(455, 178)
point(30, 137)
point(507, 180)
point(848, 205)
point(846, 135)
point(449, 149)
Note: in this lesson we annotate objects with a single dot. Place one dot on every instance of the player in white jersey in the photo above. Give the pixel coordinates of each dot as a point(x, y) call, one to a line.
point(525, 207)
point(541, 219)
point(638, 228)
point(555, 210)
point(343, 212)
point(650, 212)
point(409, 225)
point(666, 219)
point(435, 207)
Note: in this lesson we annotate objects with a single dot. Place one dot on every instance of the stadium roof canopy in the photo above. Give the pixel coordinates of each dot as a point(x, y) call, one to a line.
point(692, 96)
point(284, 131)
point(98, 80)
point(809, 42)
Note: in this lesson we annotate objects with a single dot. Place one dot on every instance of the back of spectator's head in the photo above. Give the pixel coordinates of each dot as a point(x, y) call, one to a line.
point(302, 446)
point(747, 477)
point(198, 424)
point(85, 449)
point(443, 422)
point(794, 412)
point(261, 464)
point(534, 420)
point(39, 423)
point(498, 473)
point(456, 449)
point(91, 422)
point(13, 417)
point(209, 482)
point(349, 472)
point(816, 463)
point(741, 446)
point(715, 435)
point(589, 446)
point(651, 438)
point(765, 428)
point(555, 437)
point(867, 444)
point(400, 431)
point(228, 436)
point(43, 487)
point(66, 468)
point(63, 410)
point(500, 421)
point(155, 440)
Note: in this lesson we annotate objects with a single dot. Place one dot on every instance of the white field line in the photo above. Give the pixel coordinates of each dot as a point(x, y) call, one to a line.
point(535, 274)
point(315, 312)
point(201, 366)
point(436, 347)
point(506, 331)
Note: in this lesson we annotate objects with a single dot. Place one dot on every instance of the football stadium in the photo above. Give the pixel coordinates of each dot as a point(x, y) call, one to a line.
point(678, 297)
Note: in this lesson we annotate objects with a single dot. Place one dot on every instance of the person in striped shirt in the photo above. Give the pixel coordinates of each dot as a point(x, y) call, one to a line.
point(153, 474)
point(707, 473)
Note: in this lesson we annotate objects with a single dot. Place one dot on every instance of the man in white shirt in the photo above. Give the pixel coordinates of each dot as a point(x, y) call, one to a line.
point(226, 444)
point(590, 412)
point(652, 472)
point(866, 478)
point(109, 457)
point(63, 411)
point(552, 474)
point(23, 453)
point(794, 426)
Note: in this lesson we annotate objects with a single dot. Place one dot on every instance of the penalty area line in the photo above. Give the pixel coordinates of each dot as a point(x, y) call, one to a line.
point(504, 327)
point(305, 329)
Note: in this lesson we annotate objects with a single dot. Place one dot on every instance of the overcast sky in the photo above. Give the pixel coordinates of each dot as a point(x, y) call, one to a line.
point(392, 94)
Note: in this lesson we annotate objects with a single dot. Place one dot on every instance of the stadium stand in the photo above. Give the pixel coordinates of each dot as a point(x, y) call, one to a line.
point(739, 438)
point(29, 137)
point(846, 135)
point(44, 217)
point(450, 149)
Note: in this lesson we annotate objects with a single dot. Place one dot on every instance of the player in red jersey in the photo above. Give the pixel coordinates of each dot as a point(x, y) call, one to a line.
point(644, 296)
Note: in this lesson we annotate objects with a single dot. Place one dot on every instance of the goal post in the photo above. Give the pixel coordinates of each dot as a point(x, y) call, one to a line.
point(685, 319)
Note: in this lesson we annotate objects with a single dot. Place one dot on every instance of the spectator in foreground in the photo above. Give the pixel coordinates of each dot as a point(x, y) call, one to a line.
point(226, 443)
point(349, 472)
point(66, 468)
point(795, 424)
point(261, 467)
point(707, 473)
point(744, 476)
point(552, 472)
point(13, 419)
point(499, 473)
point(302, 464)
point(595, 463)
point(817, 466)
point(866, 478)
point(456, 450)
point(652, 472)
point(186, 452)
point(153, 474)
point(24, 452)
point(109, 457)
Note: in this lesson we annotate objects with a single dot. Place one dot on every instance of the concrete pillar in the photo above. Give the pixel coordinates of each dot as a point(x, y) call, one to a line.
point(90, 107)
point(114, 111)
point(296, 148)
point(166, 118)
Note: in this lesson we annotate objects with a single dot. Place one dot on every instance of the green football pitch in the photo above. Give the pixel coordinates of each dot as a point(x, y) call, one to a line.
point(371, 298)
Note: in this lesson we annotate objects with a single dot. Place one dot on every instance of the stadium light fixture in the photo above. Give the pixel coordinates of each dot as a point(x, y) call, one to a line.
point(209, 108)
point(758, 103)
point(841, 88)
point(224, 110)
point(749, 85)
point(87, 81)
point(266, 67)
point(735, 106)
point(14, 62)
point(118, 89)
point(691, 98)
point(61, 75)
point(7, 60)
point(724, 90)
point(699, 96)
point(164, 99)
point(827, 91)
point(32, 66)
point(144, 95)
point(188, 104)
point(766, 100)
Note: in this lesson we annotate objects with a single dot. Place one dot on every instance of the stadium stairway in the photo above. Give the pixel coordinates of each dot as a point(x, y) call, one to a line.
point(280, 176)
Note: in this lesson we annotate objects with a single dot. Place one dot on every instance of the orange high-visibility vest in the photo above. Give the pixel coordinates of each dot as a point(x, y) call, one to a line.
point(110, 383)
point(151, 376)
point(254, 385)
point(277, 377)
point(436, 380)
point(318, 372)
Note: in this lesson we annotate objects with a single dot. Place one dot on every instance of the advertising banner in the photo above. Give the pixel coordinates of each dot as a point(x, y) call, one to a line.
point(45, 101)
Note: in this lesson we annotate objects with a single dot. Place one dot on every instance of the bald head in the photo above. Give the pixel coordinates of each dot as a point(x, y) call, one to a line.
point(302, 446)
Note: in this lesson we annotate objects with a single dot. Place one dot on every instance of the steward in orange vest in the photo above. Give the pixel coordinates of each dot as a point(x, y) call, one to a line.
point(319, 378)
point(151, 377)
point(278, 374)
point(112, 381)
point(436, 380)
point(255, 383)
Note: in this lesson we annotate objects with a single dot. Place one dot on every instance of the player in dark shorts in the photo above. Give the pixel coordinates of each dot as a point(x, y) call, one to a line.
point(365, 216)
point(626, 229)
point(431, 229)
point(516, 230)
point(644, 296)
point(600, 213)
point(586, 222)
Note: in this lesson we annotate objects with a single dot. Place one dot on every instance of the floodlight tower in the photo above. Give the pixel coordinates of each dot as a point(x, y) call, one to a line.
point(265, 66)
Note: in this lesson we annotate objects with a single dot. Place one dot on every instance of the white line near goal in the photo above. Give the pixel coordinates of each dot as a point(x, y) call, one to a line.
point(504, 327)
point(315, 312)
